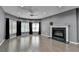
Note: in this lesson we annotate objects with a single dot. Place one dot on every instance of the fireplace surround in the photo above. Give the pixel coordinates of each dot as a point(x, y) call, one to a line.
point(59, 33)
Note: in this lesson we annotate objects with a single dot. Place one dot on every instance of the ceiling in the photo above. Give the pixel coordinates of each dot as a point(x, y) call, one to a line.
point(35, 12)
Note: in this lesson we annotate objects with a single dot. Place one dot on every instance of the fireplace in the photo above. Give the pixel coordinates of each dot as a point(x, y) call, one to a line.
point(59, 34)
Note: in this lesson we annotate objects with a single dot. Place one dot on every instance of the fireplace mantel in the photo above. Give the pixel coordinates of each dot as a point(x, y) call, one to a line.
point(67, 31)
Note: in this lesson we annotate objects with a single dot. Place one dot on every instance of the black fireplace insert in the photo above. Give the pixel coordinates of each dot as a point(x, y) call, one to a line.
point(59, 34)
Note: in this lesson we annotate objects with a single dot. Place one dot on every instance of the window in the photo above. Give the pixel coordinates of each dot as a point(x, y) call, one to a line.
point(12, 27)
point(27, 27)
point(24, 27)
point(35, 27)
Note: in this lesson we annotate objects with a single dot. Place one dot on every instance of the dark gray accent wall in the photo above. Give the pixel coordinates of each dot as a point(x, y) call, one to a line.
point(63, 19)
point(77, 22)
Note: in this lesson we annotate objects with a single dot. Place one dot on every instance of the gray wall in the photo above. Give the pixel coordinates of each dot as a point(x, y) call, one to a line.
point(2, 25)
point(65, 18)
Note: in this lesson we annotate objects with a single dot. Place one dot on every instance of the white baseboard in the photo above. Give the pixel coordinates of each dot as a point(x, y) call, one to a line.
point(45, 35)
point(69, 41)
point(73, 42)
point(12, 37)
point(2, 42)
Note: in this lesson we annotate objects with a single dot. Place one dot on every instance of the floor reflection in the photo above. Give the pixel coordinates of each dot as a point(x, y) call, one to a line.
point(35, 41)
point(24, 43)
point(12, 45)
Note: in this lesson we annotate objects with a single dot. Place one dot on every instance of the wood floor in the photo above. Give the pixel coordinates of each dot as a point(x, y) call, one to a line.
point(36, 43)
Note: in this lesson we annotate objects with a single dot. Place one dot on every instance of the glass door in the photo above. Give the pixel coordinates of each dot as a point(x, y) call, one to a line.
point(12, 28)
point(35, 27)
point(24, 27)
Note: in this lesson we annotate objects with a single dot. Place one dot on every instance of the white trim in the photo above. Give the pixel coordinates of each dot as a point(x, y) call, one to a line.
point(69, 41)
point(45, 35)
point(2, 42)
point(73, 42)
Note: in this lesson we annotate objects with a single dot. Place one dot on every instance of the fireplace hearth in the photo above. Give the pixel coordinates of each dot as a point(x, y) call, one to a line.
point(59, 34)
